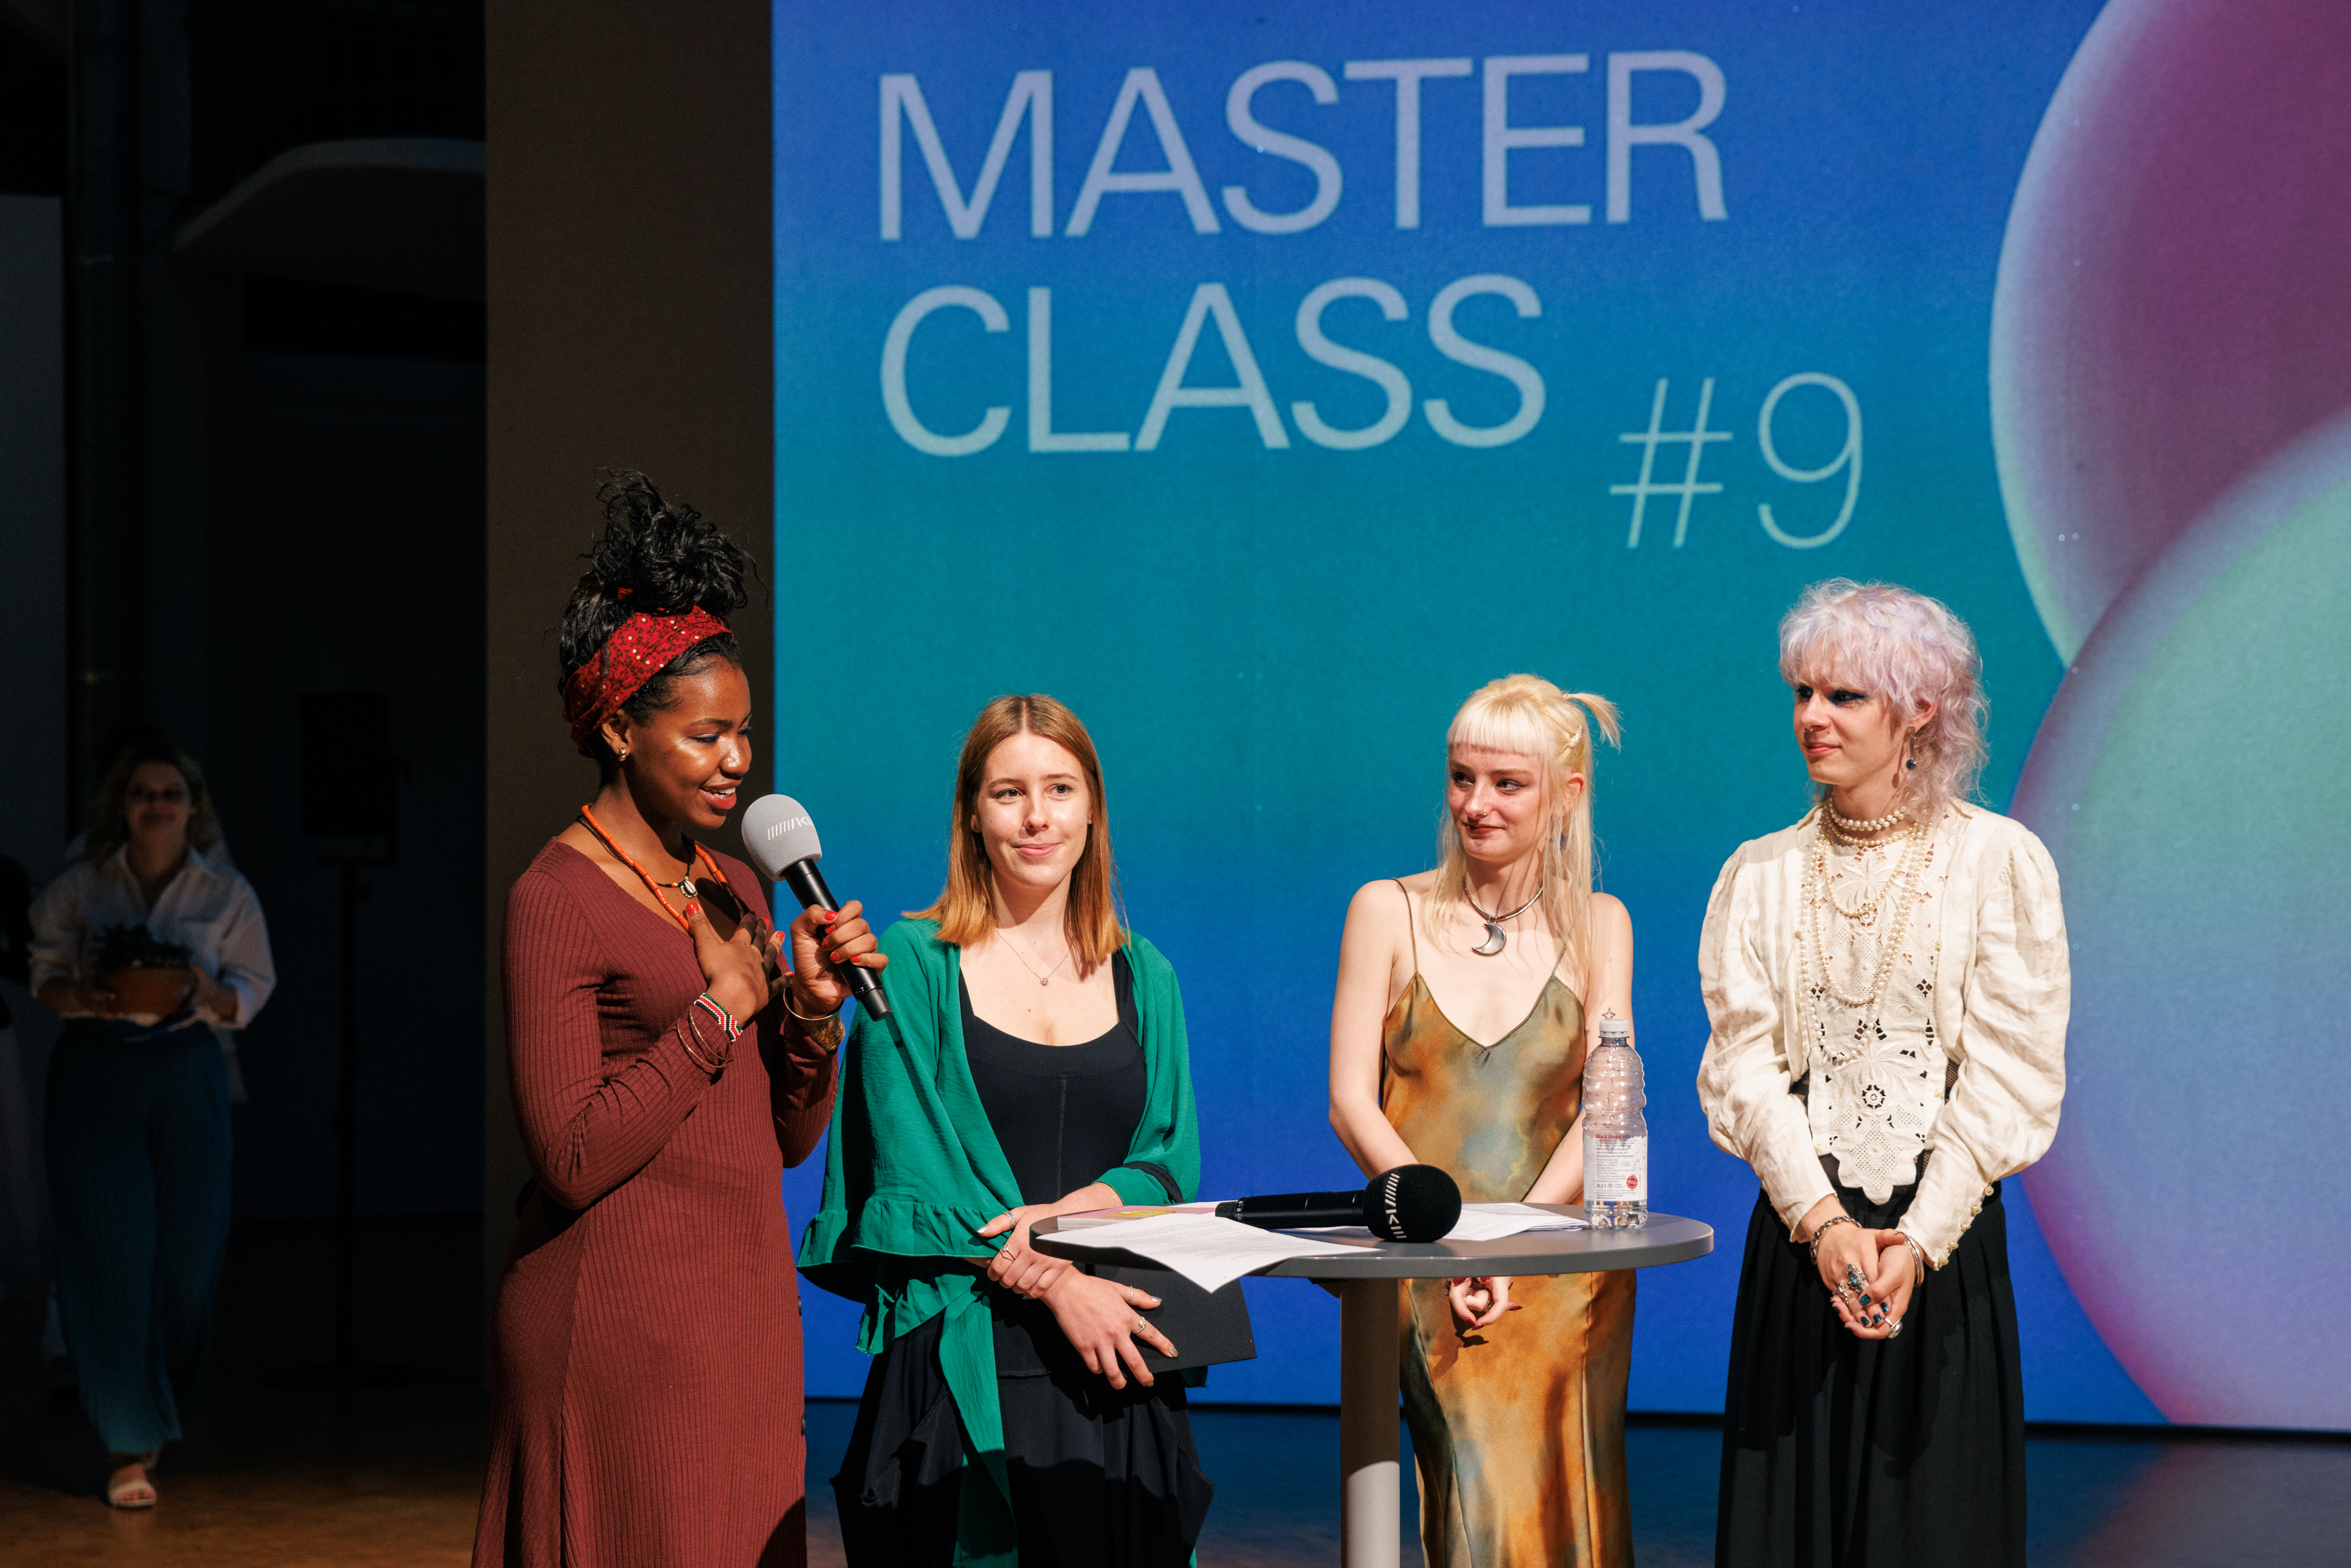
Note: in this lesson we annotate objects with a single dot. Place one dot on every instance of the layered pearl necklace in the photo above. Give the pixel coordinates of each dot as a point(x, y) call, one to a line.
point(1820, 888)
point(1874, 825)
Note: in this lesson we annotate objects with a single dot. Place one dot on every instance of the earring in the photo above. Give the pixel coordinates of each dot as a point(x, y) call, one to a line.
point(623, 755)
point(1910, 746)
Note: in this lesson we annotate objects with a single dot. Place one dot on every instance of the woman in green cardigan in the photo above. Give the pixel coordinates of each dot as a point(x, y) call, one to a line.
point(1034, 1064)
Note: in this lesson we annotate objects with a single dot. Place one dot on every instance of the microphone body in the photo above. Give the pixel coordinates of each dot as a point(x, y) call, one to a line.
point(783, 844)
point(1410, 1203)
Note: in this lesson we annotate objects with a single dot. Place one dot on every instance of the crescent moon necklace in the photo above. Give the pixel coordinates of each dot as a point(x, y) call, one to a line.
point(1496, 938)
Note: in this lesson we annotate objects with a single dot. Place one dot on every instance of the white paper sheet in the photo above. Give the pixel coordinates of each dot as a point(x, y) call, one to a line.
point(1210, 1252)
point(1492, 1221)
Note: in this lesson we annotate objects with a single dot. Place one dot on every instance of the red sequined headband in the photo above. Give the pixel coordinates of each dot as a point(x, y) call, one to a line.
point(630, 657)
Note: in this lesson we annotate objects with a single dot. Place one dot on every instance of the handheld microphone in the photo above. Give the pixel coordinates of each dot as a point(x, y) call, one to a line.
point(1410, 1203)
point(782, 842)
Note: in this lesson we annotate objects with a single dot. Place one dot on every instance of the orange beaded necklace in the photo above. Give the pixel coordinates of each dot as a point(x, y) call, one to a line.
point(684, 885)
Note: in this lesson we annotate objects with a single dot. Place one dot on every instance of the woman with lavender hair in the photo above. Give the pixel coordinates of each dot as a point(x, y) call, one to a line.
point(1887, 986)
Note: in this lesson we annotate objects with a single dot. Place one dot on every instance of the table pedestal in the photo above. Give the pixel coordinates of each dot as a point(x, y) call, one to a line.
point(1369, 1486)
point(1370, 1322)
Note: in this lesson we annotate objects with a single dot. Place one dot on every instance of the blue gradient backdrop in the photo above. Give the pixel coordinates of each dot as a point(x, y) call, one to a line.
point(1267, 642)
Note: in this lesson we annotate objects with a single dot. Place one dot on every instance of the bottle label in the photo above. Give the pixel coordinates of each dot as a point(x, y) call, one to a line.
point(1615, 1170)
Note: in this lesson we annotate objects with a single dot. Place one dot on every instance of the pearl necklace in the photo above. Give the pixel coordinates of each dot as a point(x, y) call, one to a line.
point(1866, 913)
point(1874, 825)
point(1819, 890)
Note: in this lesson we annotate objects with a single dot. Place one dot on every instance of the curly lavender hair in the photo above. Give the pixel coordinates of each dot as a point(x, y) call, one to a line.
point(1876, 637)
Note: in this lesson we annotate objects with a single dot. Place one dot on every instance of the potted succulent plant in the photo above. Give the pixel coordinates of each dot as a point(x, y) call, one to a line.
point(145, 975)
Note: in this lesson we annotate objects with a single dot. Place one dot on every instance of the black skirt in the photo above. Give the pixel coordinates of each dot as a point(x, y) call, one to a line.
point(1840, 1452)
point(1099, 1476)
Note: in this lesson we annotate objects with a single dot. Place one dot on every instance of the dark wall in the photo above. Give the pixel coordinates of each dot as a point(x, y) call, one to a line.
point(346, 560)
point(628, 326)
point(311, 503)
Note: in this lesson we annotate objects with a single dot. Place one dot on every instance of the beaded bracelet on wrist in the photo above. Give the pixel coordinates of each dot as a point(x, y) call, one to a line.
point(711, 1005)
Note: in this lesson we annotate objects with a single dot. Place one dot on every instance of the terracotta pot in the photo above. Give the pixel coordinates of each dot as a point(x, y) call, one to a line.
point(157, 991)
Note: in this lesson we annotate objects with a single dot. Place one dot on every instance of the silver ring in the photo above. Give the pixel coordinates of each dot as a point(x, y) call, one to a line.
point(1140, 1324)
point(1894, 1329)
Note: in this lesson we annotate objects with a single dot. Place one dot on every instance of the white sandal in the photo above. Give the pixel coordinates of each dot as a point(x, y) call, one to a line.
point(127, 1491)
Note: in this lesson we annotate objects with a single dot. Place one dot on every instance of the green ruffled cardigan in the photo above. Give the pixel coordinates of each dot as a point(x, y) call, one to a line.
point(913, 1170)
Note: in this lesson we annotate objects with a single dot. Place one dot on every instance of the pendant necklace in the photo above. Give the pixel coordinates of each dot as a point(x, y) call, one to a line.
point(1046, 977)
point(684, 885)
point(1496, 938)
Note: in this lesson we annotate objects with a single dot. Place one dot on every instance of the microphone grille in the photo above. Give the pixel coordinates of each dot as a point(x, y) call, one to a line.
point(776, 832)
point(1412, 1203)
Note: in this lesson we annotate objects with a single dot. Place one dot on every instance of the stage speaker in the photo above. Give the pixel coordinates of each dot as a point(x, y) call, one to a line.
point(350, 780)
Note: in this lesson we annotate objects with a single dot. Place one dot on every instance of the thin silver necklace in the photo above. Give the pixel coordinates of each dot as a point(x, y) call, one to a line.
point(1046, 977)
point(1496, 938)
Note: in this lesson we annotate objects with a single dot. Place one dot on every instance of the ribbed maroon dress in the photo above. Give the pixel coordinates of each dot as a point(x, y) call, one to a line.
point(647, 1350)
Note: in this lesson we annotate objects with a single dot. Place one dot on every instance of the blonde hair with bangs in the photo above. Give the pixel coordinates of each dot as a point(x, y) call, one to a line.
point(1530, 716)
point(1888, 640)
point(965, 907)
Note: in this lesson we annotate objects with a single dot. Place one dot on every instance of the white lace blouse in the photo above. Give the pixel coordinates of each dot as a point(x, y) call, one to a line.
point(1964, 1055)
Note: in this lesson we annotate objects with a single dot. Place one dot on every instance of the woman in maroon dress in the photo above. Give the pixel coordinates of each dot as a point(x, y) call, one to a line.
point(665, 1068)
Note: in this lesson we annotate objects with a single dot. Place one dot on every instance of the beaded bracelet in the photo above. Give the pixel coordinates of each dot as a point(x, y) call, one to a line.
point(726, 1019)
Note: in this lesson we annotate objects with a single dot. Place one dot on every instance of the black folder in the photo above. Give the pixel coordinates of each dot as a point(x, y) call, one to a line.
point(1205, 1328)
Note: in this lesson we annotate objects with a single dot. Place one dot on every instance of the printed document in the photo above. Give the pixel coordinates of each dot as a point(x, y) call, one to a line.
point(1210, 1252)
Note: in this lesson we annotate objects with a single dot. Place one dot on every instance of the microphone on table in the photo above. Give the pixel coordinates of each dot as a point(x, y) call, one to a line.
point(781, 841)
point(1410, 1203)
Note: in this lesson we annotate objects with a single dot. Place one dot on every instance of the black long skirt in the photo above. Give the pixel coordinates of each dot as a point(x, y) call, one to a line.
point(1099, 1476)
point(1840, 1452)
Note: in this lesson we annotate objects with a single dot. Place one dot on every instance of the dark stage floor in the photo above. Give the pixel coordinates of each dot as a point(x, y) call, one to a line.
point(283, 1476)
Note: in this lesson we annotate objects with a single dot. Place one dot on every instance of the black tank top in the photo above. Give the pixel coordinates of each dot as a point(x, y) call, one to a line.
point(1063, 1114)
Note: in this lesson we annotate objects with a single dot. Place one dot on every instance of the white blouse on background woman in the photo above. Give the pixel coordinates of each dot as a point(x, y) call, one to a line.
point(207, 907)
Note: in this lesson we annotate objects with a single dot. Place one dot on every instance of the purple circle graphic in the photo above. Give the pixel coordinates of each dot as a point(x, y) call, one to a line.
point(2172, 307)
point(2185, 780)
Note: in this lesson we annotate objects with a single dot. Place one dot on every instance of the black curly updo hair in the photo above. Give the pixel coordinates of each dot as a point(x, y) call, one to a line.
point(662, 557)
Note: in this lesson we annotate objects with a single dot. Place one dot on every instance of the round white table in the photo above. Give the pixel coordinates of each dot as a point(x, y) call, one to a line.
point(1367, 1274)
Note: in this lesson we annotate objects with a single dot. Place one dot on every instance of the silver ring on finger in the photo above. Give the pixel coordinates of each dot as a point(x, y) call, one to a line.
point(1894, 1329)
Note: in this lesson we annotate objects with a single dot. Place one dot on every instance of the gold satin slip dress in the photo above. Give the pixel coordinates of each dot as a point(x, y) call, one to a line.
point(1518, 1430)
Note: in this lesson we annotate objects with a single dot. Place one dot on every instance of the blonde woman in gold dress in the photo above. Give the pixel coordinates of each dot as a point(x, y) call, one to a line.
point(1468, 996)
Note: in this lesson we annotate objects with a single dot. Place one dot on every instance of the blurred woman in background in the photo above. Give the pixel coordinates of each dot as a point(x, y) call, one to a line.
point(1888, 985)
point(138, 1123)
point(1518, 1423)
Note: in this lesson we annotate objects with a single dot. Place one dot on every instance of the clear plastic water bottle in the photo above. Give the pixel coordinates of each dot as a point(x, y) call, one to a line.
point(1615, 1133)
